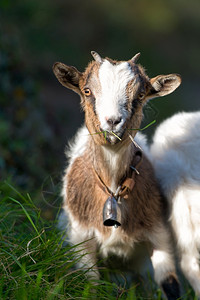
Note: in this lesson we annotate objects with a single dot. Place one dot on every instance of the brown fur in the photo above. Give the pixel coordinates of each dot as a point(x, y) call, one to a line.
point(85, 200)
point(142, 211)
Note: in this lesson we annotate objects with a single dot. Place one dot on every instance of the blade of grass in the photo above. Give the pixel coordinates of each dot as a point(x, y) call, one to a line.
point(17, 192)
point(115, 135)
point(29, 218)
point(38, 282)
point(56, 290)
point(105, 135)
point(138, 129)
point(17, 262)
point(141, 129)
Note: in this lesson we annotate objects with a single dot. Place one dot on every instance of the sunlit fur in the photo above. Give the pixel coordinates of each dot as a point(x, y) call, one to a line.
point(114, 240)
point(176, 159)
point(112, 91)
point(113, 80)
point(116, 89)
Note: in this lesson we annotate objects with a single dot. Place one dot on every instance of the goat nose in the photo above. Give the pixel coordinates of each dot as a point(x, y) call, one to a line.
point(113, 121)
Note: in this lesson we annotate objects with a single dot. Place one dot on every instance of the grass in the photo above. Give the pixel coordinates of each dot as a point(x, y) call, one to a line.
point(129, 129)
point(34, 264)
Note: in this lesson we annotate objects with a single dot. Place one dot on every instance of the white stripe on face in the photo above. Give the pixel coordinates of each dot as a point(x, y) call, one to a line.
point(111, 101)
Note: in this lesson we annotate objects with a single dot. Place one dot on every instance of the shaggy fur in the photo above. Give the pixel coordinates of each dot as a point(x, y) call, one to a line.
point(104, 148)
point(176, 158)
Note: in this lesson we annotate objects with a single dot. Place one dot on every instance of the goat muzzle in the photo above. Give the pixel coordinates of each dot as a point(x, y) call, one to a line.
point(111, 213)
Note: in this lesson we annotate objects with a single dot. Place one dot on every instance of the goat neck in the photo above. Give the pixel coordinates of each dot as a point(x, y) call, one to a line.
point(111, 162)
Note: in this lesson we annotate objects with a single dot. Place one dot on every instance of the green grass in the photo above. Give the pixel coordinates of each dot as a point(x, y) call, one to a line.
point(34, 264)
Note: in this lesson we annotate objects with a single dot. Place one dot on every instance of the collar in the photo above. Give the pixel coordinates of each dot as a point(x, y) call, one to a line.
point(128, 181)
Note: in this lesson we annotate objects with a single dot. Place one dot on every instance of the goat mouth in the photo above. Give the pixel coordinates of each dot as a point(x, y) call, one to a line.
point(114, 137)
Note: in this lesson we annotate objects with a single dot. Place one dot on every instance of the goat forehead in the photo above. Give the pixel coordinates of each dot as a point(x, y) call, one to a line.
point(114, 78)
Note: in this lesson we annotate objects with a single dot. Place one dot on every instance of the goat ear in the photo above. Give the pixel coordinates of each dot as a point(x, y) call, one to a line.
point(163, 85)
point(68, 76)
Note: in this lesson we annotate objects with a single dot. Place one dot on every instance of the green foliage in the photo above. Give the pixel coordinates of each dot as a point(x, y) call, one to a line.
point(34, 264)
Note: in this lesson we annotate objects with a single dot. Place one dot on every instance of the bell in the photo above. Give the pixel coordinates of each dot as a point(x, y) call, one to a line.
point(111, 213)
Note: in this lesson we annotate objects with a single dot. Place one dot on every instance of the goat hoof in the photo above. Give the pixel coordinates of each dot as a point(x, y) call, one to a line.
point(171, 288)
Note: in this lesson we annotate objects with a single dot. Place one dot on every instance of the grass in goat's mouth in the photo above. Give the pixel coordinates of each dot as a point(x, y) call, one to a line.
point(129, 129)
point(105, 134)
point(141, 129)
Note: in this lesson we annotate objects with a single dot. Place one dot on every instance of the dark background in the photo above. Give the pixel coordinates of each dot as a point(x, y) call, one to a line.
point(38, 116)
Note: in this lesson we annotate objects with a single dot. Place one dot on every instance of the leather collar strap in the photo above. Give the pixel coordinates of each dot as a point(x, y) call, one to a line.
point(128, 183)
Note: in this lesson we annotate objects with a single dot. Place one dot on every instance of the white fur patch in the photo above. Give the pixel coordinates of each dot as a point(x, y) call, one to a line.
point(190, 267)
point(163, 264)
point(78, 146)
point(162, 257)
point(112, 99)
point(115, 244)
point(175, 151)
point(141, 140)
point(176, 159)
point(76, 149)
point(116, 161)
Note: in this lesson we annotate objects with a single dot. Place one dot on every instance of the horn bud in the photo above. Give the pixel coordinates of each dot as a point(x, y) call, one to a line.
point(111, 213)
point(96, 56)
point(135, 58)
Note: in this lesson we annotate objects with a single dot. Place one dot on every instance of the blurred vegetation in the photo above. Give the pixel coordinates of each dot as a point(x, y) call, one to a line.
point(37, 115)
point(24, 135)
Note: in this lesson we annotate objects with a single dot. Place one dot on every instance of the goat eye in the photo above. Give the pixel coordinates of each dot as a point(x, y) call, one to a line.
point(141, 96)
point(87, 92)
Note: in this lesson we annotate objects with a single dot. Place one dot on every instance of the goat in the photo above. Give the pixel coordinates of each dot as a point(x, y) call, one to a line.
point(176, 158)
point(109, 172)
